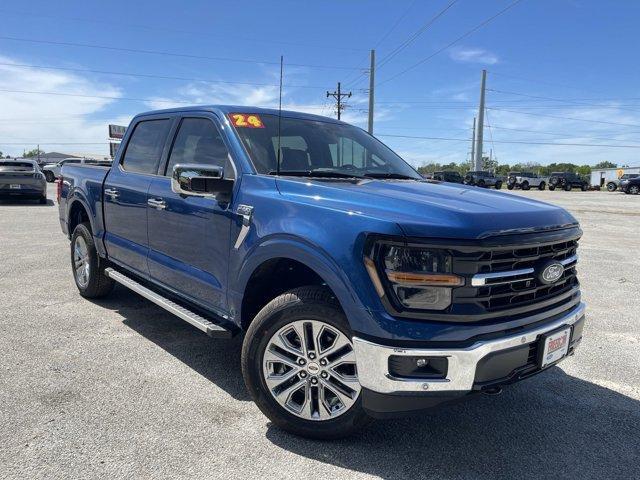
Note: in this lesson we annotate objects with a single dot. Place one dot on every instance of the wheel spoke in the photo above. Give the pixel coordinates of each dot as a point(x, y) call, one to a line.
point(276, 357)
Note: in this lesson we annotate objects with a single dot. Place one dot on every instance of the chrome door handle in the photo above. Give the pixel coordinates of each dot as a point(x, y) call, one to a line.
point(157, 203)
point(112, 192)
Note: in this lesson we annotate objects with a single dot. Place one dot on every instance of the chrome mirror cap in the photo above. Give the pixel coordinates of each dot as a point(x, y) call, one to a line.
point(196, 180)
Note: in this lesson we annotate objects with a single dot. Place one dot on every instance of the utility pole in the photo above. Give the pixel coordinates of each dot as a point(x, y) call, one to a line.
point(473, 142)
point(38, 154)
point(338, 96)
point(478, 159)
point(372, 74)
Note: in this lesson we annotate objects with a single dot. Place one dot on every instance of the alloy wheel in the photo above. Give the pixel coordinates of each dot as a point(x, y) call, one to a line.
point(309, 368)
point(81, 266)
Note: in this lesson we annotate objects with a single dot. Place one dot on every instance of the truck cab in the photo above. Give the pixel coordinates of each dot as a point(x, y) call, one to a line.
point(362, 290)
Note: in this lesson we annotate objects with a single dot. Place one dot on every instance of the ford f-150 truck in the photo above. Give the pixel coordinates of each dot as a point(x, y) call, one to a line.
point(362, 290)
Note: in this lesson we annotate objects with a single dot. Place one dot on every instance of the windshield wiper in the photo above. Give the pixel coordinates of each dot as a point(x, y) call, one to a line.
point(394, 176)
point(317, 172)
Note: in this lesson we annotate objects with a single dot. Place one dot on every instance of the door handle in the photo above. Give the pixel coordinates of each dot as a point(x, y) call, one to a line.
point(112, 192)
point(157, 203)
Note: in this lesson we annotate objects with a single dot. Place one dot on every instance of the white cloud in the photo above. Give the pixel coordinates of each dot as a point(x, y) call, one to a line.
point(473, 55)
point(33, 118)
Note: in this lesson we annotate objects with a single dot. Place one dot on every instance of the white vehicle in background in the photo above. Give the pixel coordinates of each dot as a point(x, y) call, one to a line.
point(526, 180)
point(52, 170)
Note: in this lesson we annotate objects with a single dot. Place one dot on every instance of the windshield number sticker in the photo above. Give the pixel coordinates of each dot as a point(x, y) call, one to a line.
point(244, 120)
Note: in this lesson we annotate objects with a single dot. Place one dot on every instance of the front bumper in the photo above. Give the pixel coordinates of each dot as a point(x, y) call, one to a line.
point(483, 365)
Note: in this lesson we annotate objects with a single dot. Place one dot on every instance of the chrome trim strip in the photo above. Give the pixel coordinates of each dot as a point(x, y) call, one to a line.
point(480, 279)
point(372, 360)
point(567, 261)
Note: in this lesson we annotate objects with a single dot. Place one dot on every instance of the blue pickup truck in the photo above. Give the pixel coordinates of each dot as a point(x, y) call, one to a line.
point(362, 290)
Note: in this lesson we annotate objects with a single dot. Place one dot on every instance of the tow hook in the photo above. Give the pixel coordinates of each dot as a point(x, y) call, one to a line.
point(492, 391)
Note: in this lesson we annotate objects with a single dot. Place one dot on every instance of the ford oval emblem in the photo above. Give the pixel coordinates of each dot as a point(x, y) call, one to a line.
point(551, 272)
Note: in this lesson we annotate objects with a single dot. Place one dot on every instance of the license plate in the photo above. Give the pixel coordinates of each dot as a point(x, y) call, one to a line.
point(555, 345)
point(15, 186)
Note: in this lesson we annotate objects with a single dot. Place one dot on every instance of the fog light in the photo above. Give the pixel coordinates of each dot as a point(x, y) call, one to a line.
point(409, 366)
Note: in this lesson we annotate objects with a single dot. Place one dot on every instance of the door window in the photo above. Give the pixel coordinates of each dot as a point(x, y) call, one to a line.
point(145, 147)
point(199, 141)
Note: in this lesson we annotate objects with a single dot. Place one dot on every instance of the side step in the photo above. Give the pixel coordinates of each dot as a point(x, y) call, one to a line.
point(201, 323)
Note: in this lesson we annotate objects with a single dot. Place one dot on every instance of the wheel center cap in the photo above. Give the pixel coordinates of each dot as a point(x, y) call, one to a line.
point(313, 368)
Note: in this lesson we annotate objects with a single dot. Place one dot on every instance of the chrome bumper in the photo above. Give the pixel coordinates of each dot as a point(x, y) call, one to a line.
point(372, 360)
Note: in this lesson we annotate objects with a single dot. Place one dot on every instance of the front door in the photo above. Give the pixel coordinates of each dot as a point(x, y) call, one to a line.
point(189, 235)
point(125, 195)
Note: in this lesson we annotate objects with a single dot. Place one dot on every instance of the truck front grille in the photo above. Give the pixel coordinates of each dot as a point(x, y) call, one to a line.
point(506, 279)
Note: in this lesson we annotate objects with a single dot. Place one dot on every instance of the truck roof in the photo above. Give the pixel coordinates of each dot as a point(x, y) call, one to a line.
point(226, 109)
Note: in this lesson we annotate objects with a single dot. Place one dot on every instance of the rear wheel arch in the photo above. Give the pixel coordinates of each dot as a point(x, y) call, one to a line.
point(77, 214)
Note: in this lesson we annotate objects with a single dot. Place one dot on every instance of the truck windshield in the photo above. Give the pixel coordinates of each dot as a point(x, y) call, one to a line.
point(323, 149)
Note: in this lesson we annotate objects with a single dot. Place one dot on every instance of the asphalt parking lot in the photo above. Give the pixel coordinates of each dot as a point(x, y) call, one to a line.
point(119, 388)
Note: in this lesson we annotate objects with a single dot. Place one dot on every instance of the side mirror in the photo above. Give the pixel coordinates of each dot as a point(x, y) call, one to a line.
point(201, 181)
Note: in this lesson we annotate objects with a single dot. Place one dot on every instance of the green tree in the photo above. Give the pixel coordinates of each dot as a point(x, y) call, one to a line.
point(605, 164)
point(33, 153)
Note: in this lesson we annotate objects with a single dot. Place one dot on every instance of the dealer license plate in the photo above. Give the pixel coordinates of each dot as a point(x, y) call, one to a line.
point(555, 346)
point(15, 186)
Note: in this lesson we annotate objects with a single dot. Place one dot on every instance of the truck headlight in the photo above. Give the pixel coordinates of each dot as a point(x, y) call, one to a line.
point(418, 277)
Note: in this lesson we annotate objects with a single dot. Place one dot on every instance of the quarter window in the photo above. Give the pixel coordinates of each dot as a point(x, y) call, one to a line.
point(145, 147)
point(199, 141)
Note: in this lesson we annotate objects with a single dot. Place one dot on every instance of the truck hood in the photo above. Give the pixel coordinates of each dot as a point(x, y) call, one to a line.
point(430, 209)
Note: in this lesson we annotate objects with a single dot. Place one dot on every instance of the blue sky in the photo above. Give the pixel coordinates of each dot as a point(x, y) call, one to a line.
point(569, 68)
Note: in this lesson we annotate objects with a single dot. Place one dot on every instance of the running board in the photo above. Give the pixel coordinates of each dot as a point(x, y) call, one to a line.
point(201, 323)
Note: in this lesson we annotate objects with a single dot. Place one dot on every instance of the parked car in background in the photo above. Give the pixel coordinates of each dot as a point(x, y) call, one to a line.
point(362, 290)
point(613, 185)
point(52, 170)
point(22, 179)
point(567, 181)
point(526, 180)
point(483, 179)
point(450, 176)
point(631, 185)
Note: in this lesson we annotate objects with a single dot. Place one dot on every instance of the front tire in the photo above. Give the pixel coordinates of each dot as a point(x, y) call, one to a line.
point(48, 175)
point(498, 185)
point(634, 189)
point(87, 266)
point(552, 188)
point(525, 186)
point(299, 365)
point(584, 187)
point(611, 187)
point(541, 186)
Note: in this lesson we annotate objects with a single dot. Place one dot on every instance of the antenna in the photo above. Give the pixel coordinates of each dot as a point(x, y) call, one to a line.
point(279, 116)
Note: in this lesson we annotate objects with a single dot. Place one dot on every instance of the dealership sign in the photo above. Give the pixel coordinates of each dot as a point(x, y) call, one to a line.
point(117, 131)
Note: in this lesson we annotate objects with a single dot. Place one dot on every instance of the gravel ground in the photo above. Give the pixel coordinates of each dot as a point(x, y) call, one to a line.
point(119, 388)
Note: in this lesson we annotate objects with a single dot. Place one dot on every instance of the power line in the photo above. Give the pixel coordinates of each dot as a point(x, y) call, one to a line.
point(562, 134)
point(449, 45)
point(566, 118)
point(236, 37)
point(557, 99)
point(170, 54)
point(413, 37)
point(515, 142)
point(145, 75)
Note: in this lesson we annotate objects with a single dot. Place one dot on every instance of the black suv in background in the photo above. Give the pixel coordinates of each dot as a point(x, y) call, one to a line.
point(630, 185)
point(567, 181)
point(450, 176)
point(482, 179)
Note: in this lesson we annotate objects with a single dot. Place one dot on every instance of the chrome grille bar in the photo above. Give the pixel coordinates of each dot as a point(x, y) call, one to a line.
point(481, 279)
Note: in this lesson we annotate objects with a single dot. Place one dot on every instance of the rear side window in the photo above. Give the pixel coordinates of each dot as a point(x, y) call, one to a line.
point(145, 146)
point(199, 141)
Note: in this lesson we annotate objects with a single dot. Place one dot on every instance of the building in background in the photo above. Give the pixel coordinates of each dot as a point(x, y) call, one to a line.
point(602, 176)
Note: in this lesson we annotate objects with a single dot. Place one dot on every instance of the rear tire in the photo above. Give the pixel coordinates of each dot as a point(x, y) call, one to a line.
point(551, 188)
point(87, 266)
point(498, 185)
point(634, 189)
point(43, 200)
point(525, 186)
point(49, 176)
point(510, 187)
point(541, 186)
point(584, 188)
point(567, 188)
point(293, 403)
point(611, 187)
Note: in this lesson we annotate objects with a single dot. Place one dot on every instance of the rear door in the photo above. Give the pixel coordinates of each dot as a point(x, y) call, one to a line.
point(189, 235)
point(125, 194)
